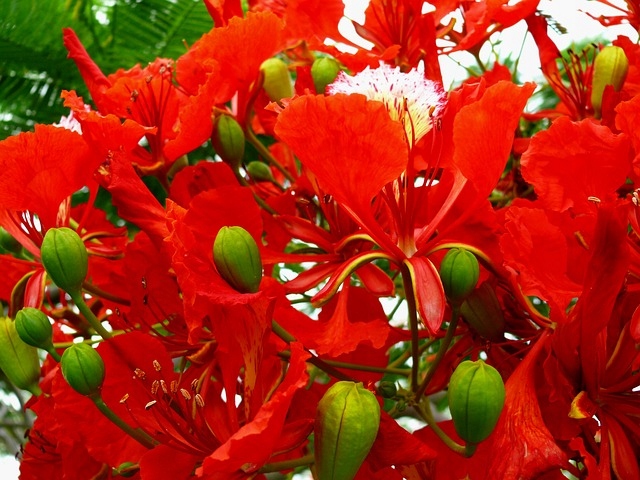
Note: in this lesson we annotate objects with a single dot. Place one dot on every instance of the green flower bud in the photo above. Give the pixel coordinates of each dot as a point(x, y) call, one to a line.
point(18, 361)
point(237, 259)
point(34, 328)
point(481, 310)
point(324, 71)
point(387, 389)
point(65, 258)
point(476, 398)
point(609, 68)
point(277, 82)
point(347, 422)
point(83, 369)
point(228, 140)
point(260, 172)
point(459, 272)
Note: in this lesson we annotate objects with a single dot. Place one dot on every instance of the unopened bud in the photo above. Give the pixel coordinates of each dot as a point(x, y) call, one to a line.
point(237, 259)
point(387, 389)
point(34, 328)
point(324, 71)
point(481, 310)
point(65, 258)
point(18, 361)
point(277, 82)
point(476, 398)
point(260, 172)
point(347, 422)
point(609, 68)
point(459, 272)
point(83, 369)
point(228, 140)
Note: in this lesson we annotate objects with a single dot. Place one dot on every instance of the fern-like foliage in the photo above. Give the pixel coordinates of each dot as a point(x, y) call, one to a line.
point(117, 33)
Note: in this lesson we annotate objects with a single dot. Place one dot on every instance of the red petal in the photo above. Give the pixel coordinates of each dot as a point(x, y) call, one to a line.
point(526, 447)
point(41, 169)
point(337, 141)
point(395, 446)
point(483, 133)
point(595, 163)
point(428, 292)
point(251, 446)
point(351, 318)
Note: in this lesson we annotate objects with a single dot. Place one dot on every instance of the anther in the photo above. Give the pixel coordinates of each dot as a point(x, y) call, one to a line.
point(199, 400)
point(174, 386)
point(163, 384)
point(185, 394)
point(157, 366)
point(124, 398)
point(154, 387)
point(140, 373)
point(150, 404)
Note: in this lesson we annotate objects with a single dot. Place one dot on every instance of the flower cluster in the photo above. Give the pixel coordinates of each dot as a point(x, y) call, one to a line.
point(331, 255)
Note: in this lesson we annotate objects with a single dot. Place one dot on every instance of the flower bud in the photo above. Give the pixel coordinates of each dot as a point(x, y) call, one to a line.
point(476, 398)
point(34, 328)
point(260, 172)
point(228, 140)
point(237, 259)
point(459, 272)
point(347, 422)
point(83, 369)
point(65, 258)
point(324, 71)
point(277, 82)
point(18, 361)
point(609, 68)
point(387, 389)
point(481, 310)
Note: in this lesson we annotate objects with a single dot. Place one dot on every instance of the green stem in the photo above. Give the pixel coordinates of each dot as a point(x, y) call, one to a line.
point(98, 292)
point(442, 350)
point(413, 325)
point(266, 154)
point(88, 315)
point(52, 351)
point(142, 437)
point(242, 181)
point(424, 409)
point(287, 464)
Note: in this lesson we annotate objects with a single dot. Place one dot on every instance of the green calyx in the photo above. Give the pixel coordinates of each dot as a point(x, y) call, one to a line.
point(18, 360)
point(476, 399)
point(459, 272)
point(324, 71)
point(237, 259)
point(34, 328)
point(277, 82)
point(83, 369)
point(65, 258)
point(228, 140)
point(346, 425)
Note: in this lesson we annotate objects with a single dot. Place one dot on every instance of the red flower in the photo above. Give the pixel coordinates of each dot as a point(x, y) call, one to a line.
point(342, 135)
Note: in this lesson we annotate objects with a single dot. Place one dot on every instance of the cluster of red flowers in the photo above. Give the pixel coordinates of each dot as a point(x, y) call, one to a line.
point(354, 181)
